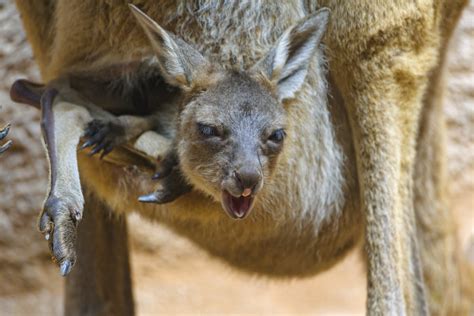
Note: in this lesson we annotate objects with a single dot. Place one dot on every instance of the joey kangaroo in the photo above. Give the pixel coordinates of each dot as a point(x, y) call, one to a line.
point(332, 172)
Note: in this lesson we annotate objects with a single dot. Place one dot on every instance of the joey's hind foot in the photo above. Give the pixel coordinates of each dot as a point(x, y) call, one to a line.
point(173, 184)
point(103, 136)
point(58, 222)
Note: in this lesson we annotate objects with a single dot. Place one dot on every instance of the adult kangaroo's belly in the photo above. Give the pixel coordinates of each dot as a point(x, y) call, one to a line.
point(262, 243)
point(271, 248)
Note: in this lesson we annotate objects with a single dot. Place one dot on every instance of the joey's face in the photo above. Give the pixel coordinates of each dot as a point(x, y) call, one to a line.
point(231, 133)
point(230, 138)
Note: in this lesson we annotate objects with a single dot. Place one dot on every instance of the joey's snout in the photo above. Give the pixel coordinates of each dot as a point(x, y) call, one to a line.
point(249, 180)
point(239, 190)
point(244, 181)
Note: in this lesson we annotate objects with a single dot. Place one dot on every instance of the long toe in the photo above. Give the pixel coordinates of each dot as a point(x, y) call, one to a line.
point(58, 222)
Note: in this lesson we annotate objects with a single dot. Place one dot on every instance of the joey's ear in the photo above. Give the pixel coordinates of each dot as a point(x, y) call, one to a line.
point(286, 64)
point(182, 65)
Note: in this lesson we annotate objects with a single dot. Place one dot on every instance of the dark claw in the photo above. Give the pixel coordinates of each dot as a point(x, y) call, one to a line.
point(107, 151)
point(77, 215)
point(172, 181)
point(169, 193)
point(97, 149)
point(66, 267)
point(4, 132)
point(149, 198)
point(5, 147)
point(104, 136)
point(88, 143)
point(95, 139)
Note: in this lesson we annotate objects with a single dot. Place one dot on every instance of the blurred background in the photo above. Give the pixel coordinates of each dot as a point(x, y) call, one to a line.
point(170, 274)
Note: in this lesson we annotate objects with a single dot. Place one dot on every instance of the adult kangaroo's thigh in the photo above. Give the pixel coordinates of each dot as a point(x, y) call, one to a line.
point(100, 283)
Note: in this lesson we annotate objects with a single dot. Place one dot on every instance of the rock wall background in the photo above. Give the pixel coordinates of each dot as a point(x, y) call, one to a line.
point(182, 273)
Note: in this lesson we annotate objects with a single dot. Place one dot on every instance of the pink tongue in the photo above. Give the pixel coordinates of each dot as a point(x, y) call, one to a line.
point(240, 205)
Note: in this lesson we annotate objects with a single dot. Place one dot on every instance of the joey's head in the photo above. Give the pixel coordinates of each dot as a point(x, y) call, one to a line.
point(232, 125)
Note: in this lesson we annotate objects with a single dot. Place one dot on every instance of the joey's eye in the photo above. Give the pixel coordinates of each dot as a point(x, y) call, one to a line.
point(207, 130)
point(277, 136)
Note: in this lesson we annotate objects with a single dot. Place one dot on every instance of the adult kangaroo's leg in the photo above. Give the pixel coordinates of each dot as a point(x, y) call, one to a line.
point(381, 74)
point(100, 283)
point(395, 284)
point(436, 228)
point(384, 165)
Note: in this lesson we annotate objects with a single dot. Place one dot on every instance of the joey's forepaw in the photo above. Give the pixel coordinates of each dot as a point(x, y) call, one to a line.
point(103, 137)
point(173, 184)
point(58, 222)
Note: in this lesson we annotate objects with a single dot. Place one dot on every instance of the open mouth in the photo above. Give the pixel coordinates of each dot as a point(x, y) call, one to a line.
point(237, 207)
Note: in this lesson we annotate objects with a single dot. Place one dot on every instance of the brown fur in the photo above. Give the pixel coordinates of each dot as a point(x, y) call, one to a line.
point(380, 57)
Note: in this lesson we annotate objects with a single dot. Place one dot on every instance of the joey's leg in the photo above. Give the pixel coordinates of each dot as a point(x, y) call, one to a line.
point(3, 134)
point(64, 116)
point(62, 125)
point(100, 283)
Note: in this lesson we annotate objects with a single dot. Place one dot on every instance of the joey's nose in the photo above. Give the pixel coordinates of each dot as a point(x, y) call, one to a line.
point(249, 180)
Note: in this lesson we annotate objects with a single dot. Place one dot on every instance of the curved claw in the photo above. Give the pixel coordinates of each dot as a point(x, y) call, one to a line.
point(66, 267)
point(97, 148)
point(102, 137)
point(5, 147)
point(86, 144)
point(4, 132)
point(149, 198)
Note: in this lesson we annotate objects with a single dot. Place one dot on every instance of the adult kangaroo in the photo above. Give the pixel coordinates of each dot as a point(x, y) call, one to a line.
point(346, 169)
